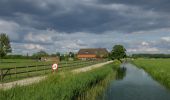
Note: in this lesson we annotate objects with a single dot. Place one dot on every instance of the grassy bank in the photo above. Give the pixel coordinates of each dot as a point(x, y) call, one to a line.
point(159, 69)
point(59, 87)
point(95, 91)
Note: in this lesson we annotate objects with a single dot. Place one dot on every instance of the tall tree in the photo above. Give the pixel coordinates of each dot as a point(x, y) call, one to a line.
point(118, 52)
point(5, 46)
point(40, 54)
point(71, 54)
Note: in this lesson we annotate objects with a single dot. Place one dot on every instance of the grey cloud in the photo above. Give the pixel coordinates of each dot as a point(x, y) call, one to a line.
point(83, 23)
point(159, 5)
point(88, 16)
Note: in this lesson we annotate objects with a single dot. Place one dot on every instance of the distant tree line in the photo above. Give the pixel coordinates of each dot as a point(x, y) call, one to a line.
point(150, 55)
point(39, 54)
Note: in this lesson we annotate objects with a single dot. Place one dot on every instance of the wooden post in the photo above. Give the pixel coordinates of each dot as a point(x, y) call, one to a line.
point(10, 73)
point(27, 72)
point(1, 75)
point(83, 63)
point(36, 68)
point(66, 64)
point(44, 69)
point(15, 72)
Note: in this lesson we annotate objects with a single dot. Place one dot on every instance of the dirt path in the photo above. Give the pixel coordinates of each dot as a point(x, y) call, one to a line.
point(29, 81)
point(22, 82)
point(90, 67)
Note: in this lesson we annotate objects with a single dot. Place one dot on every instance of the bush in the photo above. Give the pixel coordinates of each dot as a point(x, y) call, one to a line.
point(116, 62)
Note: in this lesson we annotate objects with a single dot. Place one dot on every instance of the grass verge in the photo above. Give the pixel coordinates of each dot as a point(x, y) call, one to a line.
point(95, 91)
point(65, 86)
point(159, 69)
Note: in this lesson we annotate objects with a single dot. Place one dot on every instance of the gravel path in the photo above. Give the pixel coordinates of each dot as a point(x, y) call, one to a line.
point(90, 67)
point(29, 81)
point(22, 82)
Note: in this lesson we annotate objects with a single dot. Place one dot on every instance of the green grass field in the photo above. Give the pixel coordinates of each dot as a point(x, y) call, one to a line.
point(6, 63)
point(159, 69)
point(60, 87)
point(21, 66)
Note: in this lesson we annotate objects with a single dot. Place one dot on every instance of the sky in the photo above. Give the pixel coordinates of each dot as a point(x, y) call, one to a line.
point(141, 26)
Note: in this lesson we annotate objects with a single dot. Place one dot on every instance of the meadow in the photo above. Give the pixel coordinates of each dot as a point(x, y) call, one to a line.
point(14, 69)
point(8, 63)
point(66, 86)
point(159, 69)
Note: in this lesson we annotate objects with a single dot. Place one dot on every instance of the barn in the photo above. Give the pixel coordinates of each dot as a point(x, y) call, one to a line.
point(92, 53)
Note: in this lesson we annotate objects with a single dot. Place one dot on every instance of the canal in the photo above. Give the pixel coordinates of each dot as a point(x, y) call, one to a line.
point(134, 84)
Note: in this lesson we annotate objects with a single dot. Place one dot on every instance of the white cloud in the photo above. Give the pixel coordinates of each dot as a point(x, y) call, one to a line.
point(145, 43)
point(33, 47)
point(143, 50)
point(38, 37)
point(154, 31)
point(167, 39)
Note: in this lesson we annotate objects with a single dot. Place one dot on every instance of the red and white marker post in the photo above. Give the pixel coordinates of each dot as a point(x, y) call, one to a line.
point(55, 67)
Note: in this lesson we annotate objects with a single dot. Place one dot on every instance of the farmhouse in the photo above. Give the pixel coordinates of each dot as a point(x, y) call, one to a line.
point(92, 53)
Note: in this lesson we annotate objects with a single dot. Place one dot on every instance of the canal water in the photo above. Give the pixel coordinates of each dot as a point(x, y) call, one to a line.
point(134, 84)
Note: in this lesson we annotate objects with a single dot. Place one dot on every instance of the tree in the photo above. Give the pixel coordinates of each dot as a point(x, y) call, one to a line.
point(5, 46)
point(40, 54)
point(58, 54)
point(71, 54)
point(118, 52)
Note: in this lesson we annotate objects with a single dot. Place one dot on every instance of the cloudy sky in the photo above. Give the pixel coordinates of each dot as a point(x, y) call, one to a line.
point(142, 26)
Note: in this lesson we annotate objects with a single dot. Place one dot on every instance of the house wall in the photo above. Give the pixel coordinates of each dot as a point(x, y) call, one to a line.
point(86, 56)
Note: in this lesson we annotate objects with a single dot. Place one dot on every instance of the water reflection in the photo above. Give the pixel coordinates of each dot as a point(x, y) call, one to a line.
point(121, 73)
point(134, 84)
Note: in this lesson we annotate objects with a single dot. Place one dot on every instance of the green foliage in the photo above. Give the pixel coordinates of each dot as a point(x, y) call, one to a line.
point(68, 56)
point(40, 54)
point(58, 54)
point(59, 86)
point(64, 57)
point(158, 68)
point(117, 62)
point(118, 52)
point(5, 46)
point(71, 54)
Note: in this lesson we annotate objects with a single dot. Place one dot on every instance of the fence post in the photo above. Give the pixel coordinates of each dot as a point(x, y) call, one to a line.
point(66, 64)
point(44, 70)
point(10, 73)
point(84, 63)
point(1, 75)
point(15, 72)
point(36, 68)
point(27, 72)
